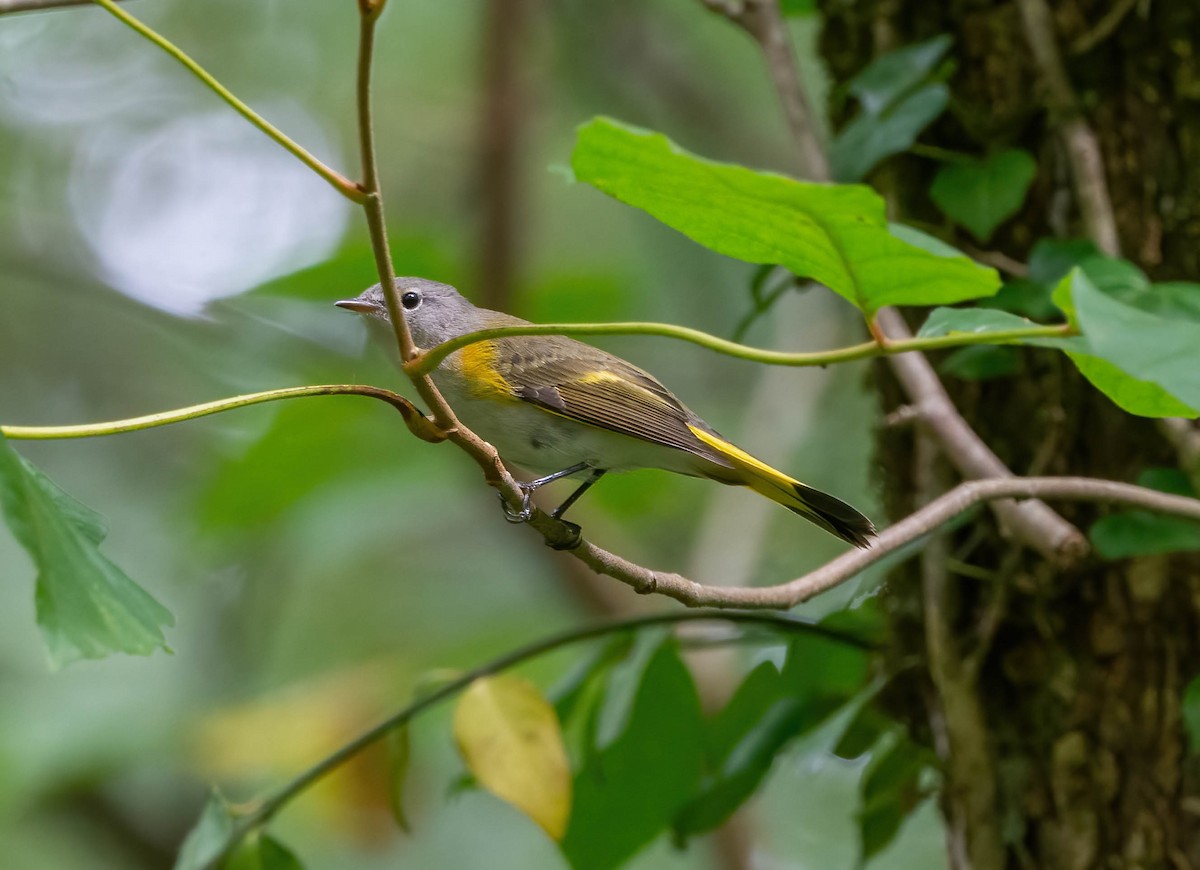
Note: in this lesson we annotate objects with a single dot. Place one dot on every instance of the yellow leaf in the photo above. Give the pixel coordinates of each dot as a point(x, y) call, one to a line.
point(510, 739)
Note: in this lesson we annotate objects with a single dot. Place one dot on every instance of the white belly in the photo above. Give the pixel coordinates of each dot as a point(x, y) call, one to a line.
point(542, 442)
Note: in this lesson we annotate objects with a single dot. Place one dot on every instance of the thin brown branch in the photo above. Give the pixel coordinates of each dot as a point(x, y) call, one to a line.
point(973, 832)
point(1078, 138)
point(1104, 28)
point(1031, 523)
point(960, 499)
point(555, 531)
point(764, 22)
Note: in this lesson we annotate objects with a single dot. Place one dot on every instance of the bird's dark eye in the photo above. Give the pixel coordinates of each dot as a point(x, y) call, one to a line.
point(411, 299)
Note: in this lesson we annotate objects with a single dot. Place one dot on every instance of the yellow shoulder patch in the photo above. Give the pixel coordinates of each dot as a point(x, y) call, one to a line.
point(476, 364)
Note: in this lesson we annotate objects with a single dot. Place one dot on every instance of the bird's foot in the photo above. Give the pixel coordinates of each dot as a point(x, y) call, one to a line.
point(526, 511)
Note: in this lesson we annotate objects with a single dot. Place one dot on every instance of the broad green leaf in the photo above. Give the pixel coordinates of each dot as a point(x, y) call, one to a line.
point(509, 738)
point(86, 606)
point(817, 667)
point(1141, 533)
point(1191, 715)
point(1024, 297)
point(924, 241)
point(399, 744)
point(629, 791)
point(797, 8)
point(837, 235)
point(971, 321)
point(205, 842)
point(863, 732)
point(1163, 351)
point(1052, 259)
point(1129, 390)
point(870, 138)
point(262, 852)
point(981, 362)
point(1171, 480)
point(888, 77)
point(748, 764)
point(889, 793)
point(983, 195)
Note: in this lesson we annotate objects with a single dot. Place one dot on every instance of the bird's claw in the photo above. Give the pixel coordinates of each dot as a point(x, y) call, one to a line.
point(518, 516)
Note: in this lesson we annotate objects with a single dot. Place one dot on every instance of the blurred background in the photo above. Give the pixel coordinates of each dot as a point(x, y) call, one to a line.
point(157, 251)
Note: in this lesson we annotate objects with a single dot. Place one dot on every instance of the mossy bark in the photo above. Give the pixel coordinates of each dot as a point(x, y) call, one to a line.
point(1065, 707)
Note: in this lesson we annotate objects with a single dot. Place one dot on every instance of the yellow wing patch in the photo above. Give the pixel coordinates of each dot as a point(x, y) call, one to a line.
point(477, 365)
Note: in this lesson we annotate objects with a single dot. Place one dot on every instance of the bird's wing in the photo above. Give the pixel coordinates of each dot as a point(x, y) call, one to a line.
point(584, 383)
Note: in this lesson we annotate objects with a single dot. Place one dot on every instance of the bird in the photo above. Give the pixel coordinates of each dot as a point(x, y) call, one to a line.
point(565, 409)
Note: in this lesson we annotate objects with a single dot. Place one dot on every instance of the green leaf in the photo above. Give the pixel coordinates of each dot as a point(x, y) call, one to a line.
point(1171, 480)
point(1052, 259)
point(1141, 533)
point(399, 744)
point(817, 667)
point(981, 362)
point(870, 138)
point(86, 606)
point(1024, 297)
point(890, 76)
point(1162, 351)
point(1129, 390)
point(1191, 715)
point(971, 321)
point(837, 235)
point(889, 793)
point(628, 792)
point(797, 8)
point(205, 842)
point(509, 737)
point(983, 195)
point(262, 852)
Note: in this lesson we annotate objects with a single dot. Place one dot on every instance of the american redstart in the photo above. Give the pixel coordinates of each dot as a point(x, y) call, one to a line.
point(558, 406)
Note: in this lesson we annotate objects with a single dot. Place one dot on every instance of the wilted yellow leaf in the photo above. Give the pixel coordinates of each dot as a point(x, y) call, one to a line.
point(510, 739)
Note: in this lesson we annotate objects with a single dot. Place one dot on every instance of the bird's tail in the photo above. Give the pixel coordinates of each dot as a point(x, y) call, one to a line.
point(830, 513)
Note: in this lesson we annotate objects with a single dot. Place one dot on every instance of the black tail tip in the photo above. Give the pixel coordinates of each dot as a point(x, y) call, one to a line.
point(836, 517)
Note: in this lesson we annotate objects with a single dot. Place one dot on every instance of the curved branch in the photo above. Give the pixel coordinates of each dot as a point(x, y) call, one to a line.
point(265, 811)
point(849, 565)
point(341, 183)
point(417, 423)
point(428, 360)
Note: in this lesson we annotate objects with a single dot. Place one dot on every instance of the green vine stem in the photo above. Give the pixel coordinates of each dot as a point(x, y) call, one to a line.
point(341, 183)
point(265, 811)
point(427, 361)
point(417, 422)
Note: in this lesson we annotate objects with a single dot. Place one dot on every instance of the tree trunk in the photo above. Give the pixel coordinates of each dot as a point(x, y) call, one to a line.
point(1053, 698)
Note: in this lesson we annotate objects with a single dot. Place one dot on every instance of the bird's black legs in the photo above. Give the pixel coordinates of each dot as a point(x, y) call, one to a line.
point(596, 474)
point(527, 489)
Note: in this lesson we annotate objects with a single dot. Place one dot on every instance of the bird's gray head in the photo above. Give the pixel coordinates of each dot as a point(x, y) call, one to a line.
point(435, 312)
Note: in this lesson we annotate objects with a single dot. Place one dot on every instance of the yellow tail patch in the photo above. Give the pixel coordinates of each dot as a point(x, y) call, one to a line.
point(756, 469)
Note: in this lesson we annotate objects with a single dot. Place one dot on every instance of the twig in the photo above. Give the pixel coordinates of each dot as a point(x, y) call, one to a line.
point(265, 811)
point(848, 565)
point(1103, 28)
point(417, 423)
point(1031, 523)
point(764, 22)
point(970, 772)
point(426, 361)
point(341, 183)
point(1083, 149)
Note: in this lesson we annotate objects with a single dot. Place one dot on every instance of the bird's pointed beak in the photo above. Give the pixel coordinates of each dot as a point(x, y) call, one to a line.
point(359, 306)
